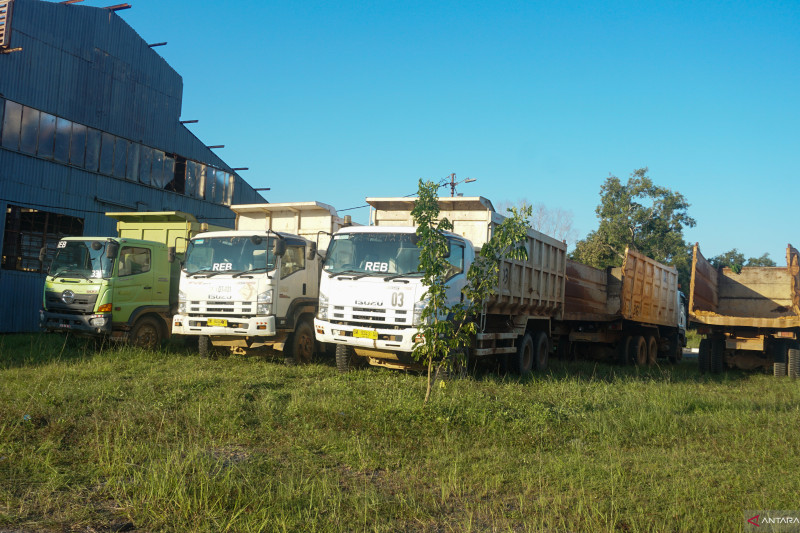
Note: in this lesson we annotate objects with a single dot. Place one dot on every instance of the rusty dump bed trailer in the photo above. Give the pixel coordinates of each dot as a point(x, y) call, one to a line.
point(642, 290)
point(750, 318)
point(634, 309)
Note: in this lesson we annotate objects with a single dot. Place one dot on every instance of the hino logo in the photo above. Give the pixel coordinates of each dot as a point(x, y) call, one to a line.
point(67, 296)
point(378, 303)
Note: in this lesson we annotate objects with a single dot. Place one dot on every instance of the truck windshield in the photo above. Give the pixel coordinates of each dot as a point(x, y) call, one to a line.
point(230, 254)
point(81, 259)
point(373, 253)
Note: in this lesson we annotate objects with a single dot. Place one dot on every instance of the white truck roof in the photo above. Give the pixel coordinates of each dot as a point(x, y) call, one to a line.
point(473, 217)
point(306, 219)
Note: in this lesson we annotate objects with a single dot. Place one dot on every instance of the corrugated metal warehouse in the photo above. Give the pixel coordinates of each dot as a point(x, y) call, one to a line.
point(89, 123)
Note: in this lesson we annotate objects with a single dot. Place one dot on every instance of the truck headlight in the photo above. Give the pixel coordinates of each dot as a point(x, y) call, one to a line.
point(264, 302)
point(181, 302)
point(322, 312)
point(98, 322)
point(416, 318)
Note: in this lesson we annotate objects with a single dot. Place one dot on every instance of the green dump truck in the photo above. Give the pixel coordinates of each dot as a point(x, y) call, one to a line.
point(124, 288)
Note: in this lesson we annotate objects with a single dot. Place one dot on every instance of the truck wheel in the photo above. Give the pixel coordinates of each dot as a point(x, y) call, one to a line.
point(704, 356)
point(717, 355)
point(652, 350)
point(542, 347)
point(675, 353)
point(344, 354)
point(639, 350)
point(525, 354)
point(301, 351)
point(202, 345)
point(146, 333)
point(624, 351)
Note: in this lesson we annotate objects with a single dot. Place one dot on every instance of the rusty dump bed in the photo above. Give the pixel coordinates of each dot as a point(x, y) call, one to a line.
point(642, 290)
point(534, 287)
point(759, 297)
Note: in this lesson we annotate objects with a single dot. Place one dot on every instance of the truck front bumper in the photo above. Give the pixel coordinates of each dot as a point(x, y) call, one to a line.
point(98, 324)
point(383, 339)
point(262, 326)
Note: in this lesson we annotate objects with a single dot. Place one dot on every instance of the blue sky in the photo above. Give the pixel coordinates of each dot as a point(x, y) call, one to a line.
point(336, 101)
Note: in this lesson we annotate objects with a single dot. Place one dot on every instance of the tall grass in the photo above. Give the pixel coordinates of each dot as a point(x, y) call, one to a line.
point(122, 438)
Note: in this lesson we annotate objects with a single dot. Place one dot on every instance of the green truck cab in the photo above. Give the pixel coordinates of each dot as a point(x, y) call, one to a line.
point(124, 288)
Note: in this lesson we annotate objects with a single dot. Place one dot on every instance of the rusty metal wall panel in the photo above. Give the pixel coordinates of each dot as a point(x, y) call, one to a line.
point(649, 291)
point(703, 296)
point(586, 293)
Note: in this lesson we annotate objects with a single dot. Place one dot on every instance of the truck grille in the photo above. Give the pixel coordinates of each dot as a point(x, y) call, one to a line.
point(82, 304)
point(212, 307)
point(370, 316)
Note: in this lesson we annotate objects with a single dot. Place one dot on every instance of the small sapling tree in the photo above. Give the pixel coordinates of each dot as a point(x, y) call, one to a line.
point(446, 328)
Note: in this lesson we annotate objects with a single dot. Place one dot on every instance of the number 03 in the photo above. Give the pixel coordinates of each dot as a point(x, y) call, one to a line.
point(397, 299)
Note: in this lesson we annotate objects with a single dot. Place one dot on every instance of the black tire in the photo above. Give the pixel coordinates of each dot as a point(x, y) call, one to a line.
point(203, 345)
point(638, 350)
point(541, 346)
point(344, 356)
point(624, 351)
point(704, 356)
point(652, 350)
point(146, 334)
point(525, 355)
point(717, 355)
point(302, 347)
point(675, 353)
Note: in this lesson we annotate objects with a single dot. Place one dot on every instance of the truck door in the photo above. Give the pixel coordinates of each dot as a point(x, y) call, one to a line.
point(456, 276)
point(133, 286)
point(293, 277)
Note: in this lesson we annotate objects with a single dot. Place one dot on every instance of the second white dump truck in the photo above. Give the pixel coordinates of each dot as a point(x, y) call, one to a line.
point(371, 291)
point(257, 286)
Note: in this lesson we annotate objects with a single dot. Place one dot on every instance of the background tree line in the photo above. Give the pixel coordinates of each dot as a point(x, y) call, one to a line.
point(650, 219)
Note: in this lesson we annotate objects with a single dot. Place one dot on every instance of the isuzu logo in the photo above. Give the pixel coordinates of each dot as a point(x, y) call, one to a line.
point(67, 296)
point(378, 303)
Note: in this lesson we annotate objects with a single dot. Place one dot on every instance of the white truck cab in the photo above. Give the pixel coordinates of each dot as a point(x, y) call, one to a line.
point(371, 292)
point(256, 286)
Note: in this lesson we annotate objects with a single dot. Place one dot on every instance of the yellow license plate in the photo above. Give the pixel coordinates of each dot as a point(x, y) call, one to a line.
point(365, 334)
point(217, 322)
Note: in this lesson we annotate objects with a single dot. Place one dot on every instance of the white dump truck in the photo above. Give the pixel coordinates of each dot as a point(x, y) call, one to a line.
point(371, 291)
point(257, 286)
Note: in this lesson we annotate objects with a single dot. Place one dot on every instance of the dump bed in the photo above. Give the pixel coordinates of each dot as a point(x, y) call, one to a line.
point(641, 290)
point(531, 287)
point(172, 228)
point(759, 297)
point(314, 221)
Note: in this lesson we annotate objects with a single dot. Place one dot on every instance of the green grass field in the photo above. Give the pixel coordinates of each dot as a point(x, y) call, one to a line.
point(121, 439)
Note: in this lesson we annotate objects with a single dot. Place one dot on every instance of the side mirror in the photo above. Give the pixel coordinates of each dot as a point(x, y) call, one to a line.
point(280, 248)
point(112, 250)
point(42, 254)
point(171, 254)
point(312, 251)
